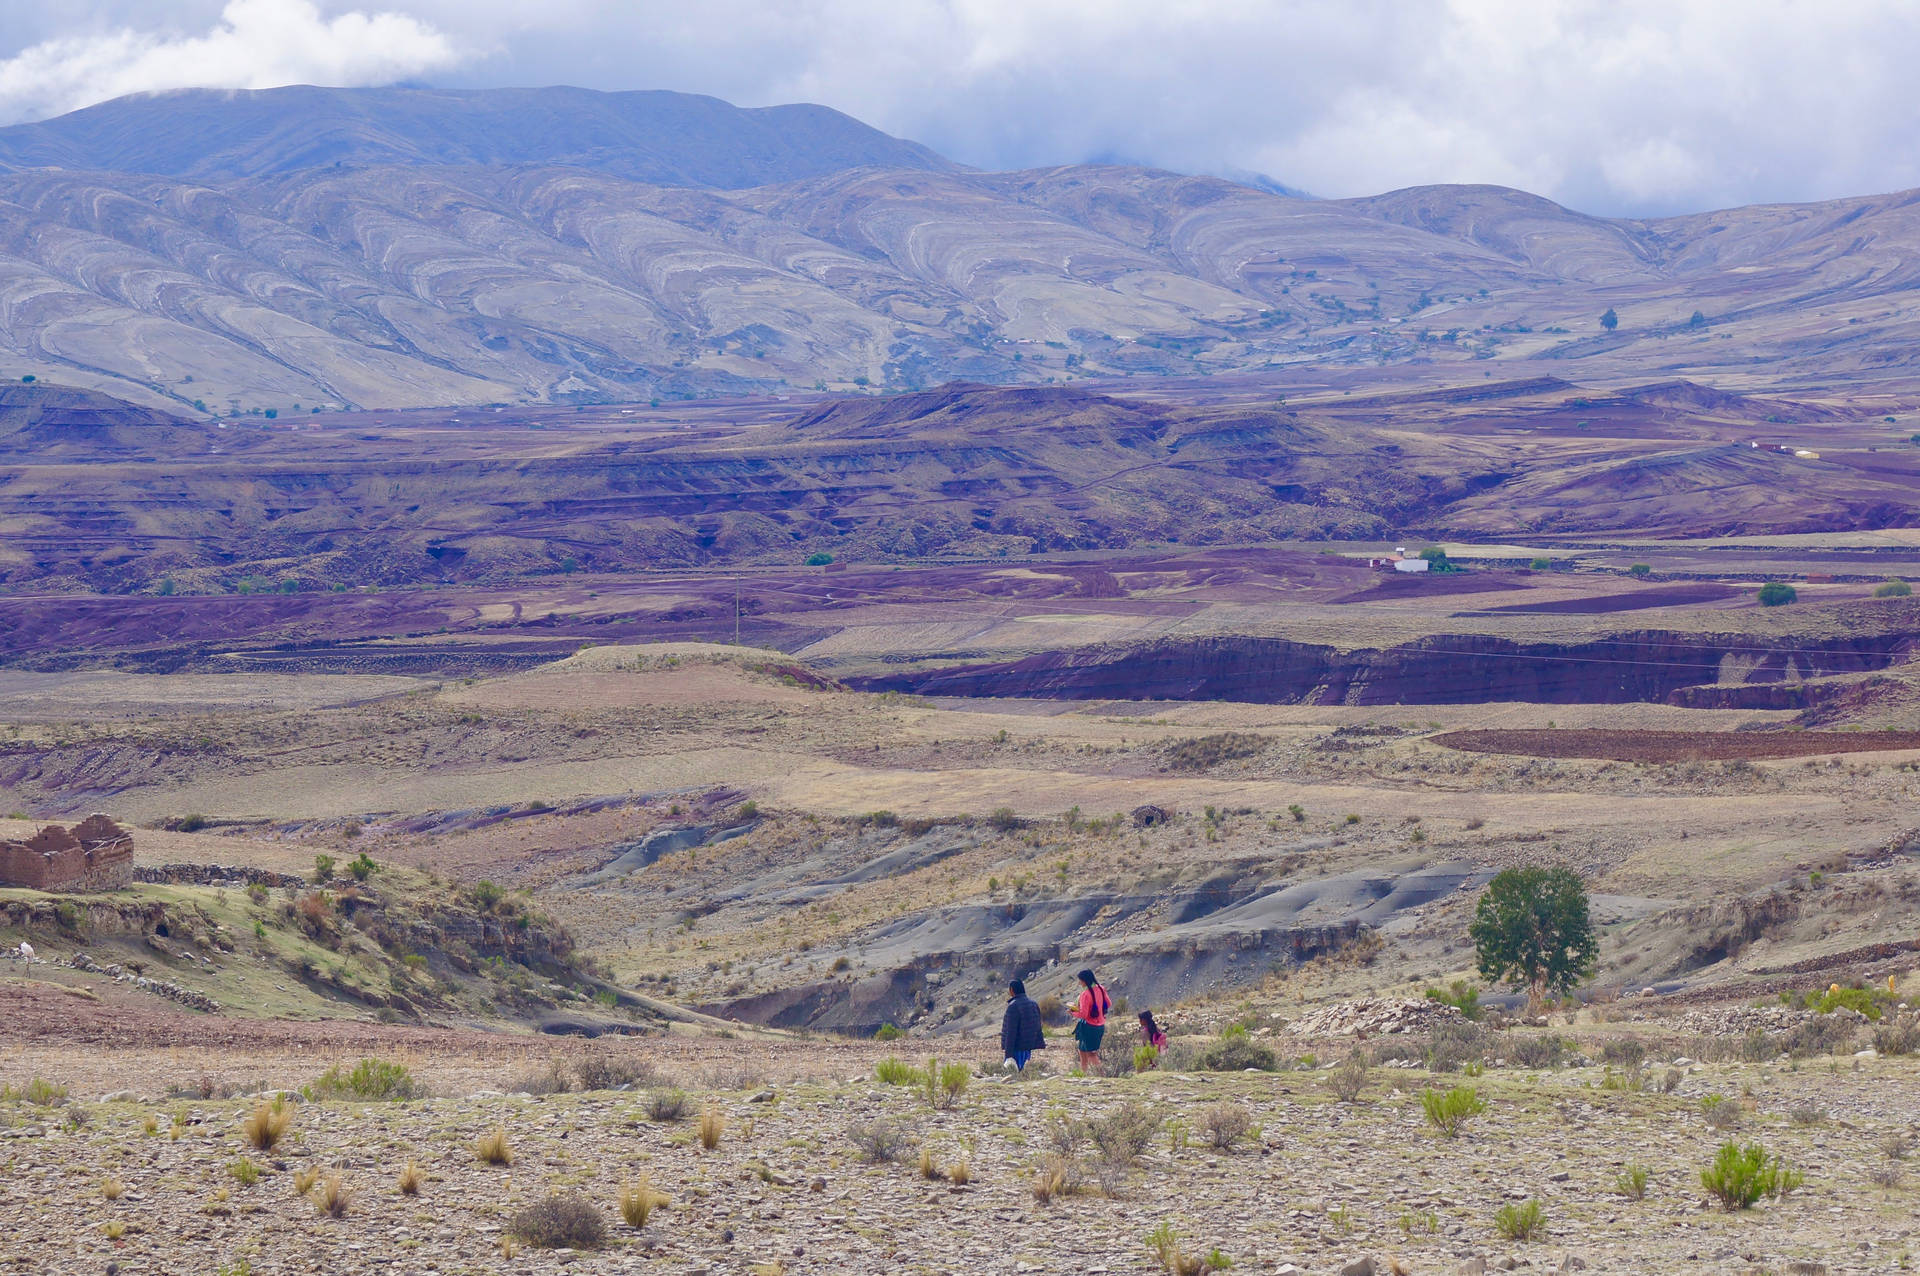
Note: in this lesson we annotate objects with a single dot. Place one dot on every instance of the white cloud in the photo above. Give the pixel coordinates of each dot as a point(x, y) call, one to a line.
point(254, 44)
point(1612, 106)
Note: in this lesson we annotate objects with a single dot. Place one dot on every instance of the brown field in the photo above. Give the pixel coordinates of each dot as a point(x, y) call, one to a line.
point(1680, 746)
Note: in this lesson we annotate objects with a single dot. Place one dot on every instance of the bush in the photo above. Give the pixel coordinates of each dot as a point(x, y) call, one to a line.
point(609, 1072)
point(551, 1079)
point(879, 1142)
point(1448, 1111)
point(1003, 820)
point(1350, 1078)
point(1224, 1125)
point(1237, 1054)
point(322, 869)
point(1776, 594)
point(267, 1124)
point(946, 1084)
point(244, 1172)
point(1893, 588)
point(1122, 1135)
point(1145, 1058)
point(1520, 1222)
point(411, 1179)
point(666, 1105)
point(1538, 1052)
point(1898, 1035)
point(895, 1071)
point(1203, 753)
point(1859, 1000)
point(886, 1031)
point(561, 1222)
point(372, 1079)
point(1461, 995)
point(1742, 1173)
point(820, 559)
point(1632, 1182)
point(1455, 1043)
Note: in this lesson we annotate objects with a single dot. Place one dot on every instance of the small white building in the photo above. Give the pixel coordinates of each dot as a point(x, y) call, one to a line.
point(1411, 565)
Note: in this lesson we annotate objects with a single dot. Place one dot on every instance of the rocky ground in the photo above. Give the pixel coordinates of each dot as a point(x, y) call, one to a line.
point(129, 1180)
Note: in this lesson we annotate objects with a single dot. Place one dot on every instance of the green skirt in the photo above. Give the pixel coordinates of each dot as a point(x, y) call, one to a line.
point(1088, 1036)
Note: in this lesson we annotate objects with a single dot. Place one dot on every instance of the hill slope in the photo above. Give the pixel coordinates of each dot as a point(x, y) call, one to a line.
point(669, 139)
point(393, 248)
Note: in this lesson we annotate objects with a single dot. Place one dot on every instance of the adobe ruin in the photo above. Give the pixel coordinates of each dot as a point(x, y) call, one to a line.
point(94, 855)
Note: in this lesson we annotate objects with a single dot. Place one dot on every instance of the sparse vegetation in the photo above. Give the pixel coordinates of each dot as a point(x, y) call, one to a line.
point(638, 1201)
point(267, 1124)
point(1743, 1173)
point(411, 1179)
point(332, 1197)
point(879, 1142)
point(561, 1221)
point(1448, 1111)
point(1522, 1221)
point(713, 1124)
point(370, 1079)
point(493, 1148)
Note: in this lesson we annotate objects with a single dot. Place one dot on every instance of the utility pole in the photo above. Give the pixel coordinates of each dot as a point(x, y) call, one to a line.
point(736, 611)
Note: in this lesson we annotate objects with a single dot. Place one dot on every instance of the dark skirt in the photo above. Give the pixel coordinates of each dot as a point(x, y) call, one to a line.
point(1088, 1036)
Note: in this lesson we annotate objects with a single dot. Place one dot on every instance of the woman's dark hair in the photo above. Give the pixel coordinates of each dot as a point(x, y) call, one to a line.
point(1086, 977)
point(1146, 1021)
point(1018, 987)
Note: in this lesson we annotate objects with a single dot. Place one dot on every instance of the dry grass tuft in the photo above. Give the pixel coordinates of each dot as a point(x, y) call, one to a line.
point(303, 1180)
point(638, 1201)
point(713, 1124)
point(332, 1197)
point(267, 1124)
point(112, 1188)
point(929, 1165)
point(493, 1149)
point(410, 1180)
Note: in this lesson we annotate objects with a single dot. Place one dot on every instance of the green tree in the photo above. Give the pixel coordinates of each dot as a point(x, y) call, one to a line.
point(1698, 321)
point(819, 559)
point(1775, 594)
point(1541, 565)
point(1641, 570)
point(1609, 321)
point(1893, 588)
point(1533, 930)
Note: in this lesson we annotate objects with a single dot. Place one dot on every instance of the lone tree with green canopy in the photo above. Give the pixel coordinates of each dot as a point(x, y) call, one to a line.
point(1533, 930)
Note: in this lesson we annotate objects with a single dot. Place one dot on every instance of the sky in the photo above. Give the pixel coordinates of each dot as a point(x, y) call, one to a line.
point(1615, 107)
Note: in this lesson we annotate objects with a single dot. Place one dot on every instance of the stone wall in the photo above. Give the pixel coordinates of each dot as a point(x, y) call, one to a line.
point(94, 855)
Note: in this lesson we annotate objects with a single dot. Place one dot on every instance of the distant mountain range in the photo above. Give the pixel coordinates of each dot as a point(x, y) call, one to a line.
point(299, 248)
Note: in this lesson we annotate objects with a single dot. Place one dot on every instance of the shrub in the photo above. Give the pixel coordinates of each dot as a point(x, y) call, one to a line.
point(410, 1180)
point(1454, 1044)
point(1893, 588)
point(638, 1201)
point(1776, 594)
point(1632, 1182)
point(566, 1221)
point(371, 1079)
point(323, 866)
point(879, 1142)
point(896, 1071)
point(112, 1189)
point(493, 1149)
point(945, 1088)
point(1058, 1175)
point(244, 1172)
point(1806, 1114)
point(1898, 1035)
point(1003, 820)
point(886, 1031)
point(1629, 1051)
point(609, 1072)
point(361, 866)
point(1124, 1133)
point(820, 559)
point(1163, 1246)
point(332, 1197)
point(39, 1091)
point(666, 1105)
point(1742, 1173)
point(1202, 753)
point(1896, 1146)
point(303, 1180)
point(713, 1124)
point(1145, 1058)
point(1719, 1112)
point(1448, 1111)
point(1461, 995)
point(1859, 1000)
point(267, 1124)
point(1224, 1125)
point(1237, 1054)
point(1520, 1222)
point(554, 1078)
point(1350, 1078)
point(1538, 1052)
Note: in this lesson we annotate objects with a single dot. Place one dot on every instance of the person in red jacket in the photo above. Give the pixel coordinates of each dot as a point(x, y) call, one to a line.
point(1090, 1022)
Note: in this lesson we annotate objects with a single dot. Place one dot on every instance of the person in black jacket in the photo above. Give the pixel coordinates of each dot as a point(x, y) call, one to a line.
point(1020, 1033)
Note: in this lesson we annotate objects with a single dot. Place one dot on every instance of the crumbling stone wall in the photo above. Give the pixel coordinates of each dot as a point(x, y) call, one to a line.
point(94, 855)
